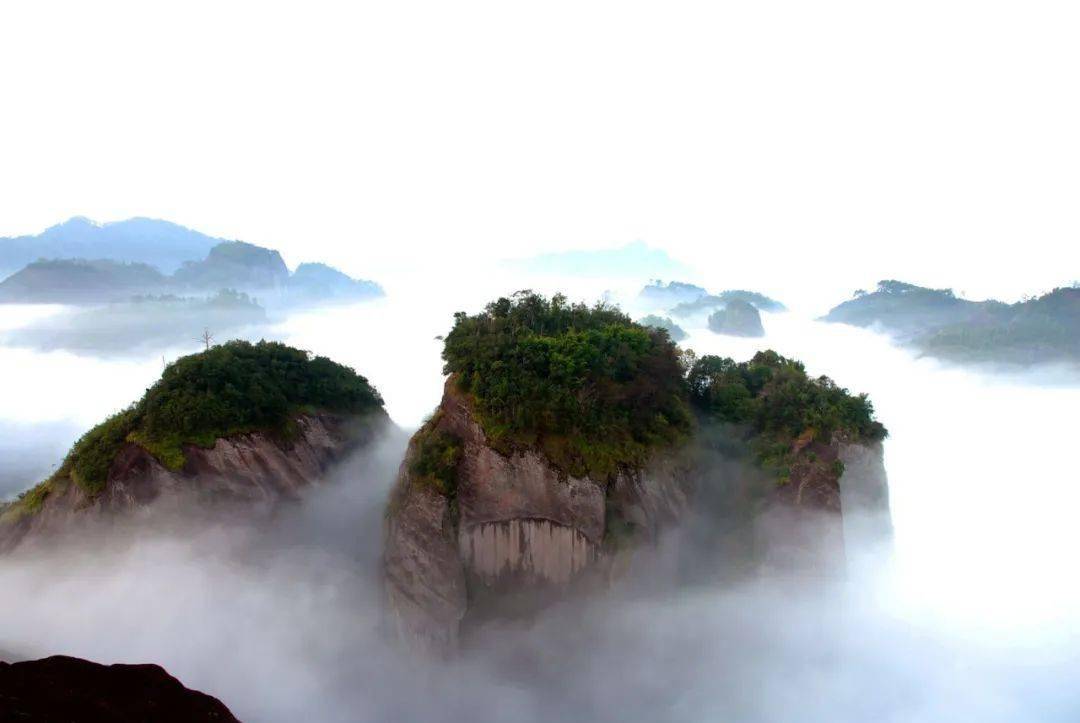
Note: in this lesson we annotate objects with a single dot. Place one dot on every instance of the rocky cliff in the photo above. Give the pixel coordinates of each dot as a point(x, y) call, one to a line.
point(253, 472)
point(569, 438)
point(835, 499)
point(510, 531)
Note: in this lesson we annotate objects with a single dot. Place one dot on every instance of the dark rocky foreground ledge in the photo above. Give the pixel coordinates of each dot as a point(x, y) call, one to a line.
point(62, 689)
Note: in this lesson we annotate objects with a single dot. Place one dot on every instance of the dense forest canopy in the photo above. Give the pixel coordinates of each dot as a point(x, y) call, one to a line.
point(587, 385)
point(778, 403)
point(597, 392)
point(229, 389)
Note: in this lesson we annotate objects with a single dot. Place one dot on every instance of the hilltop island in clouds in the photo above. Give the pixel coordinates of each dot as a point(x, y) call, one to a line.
point(936, 322)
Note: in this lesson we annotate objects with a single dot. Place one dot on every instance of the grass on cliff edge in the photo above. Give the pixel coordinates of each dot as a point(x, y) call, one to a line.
point(230, 389)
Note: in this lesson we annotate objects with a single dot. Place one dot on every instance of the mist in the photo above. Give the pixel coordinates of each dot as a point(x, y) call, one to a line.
point(972, 613)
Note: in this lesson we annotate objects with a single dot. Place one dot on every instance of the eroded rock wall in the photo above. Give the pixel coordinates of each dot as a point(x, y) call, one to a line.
point(516, 527)
point(513, 532)
point(864, 489)
point(818, 518)
point(540, 551)
point(424, 579)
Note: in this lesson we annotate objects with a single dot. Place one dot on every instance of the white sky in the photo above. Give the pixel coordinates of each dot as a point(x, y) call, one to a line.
point(805, 143)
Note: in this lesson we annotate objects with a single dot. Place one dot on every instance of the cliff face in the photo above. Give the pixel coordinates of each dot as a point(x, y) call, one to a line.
point(61, 688)
point(864, 491)
point(249, 472)
point(817, 515)
point(515, 532)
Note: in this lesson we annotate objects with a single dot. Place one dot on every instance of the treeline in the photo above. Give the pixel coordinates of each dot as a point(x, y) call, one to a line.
point(596, 391)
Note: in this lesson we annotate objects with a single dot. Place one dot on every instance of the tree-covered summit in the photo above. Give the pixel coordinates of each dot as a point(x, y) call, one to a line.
point(229, 389)
point(904, 308)
point(597, 392)
point(585, 384)
point(781, 407)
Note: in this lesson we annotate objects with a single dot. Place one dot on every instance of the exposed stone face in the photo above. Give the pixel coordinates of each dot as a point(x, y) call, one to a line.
point(816, 516)
point(864, 489)
point(248, 471)
point(518, 533)
point(650, 499)
point(496, 488)
point(517, 524)
point(424, 577)
point(541, 551)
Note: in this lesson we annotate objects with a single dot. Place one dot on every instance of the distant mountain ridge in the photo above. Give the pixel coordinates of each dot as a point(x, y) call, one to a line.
point(161, 244)
point(237, 265)
point(80, 281)
point(941, 324)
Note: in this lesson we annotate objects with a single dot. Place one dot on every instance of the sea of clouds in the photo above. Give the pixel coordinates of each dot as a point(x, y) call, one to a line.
point(975, 614)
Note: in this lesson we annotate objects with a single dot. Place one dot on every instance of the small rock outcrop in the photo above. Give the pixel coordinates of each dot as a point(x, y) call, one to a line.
point(737, 318)
point(61, 688)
